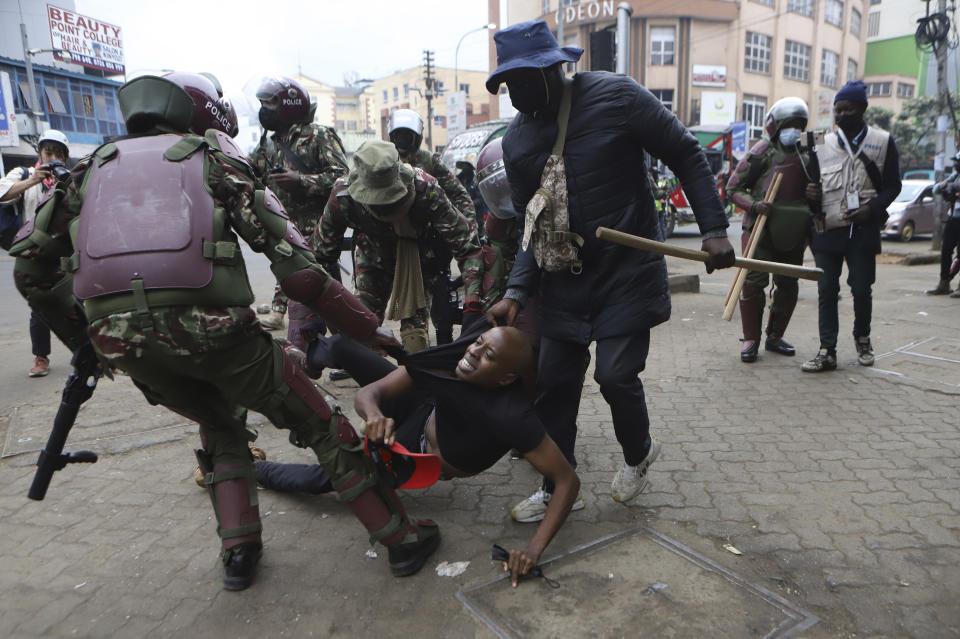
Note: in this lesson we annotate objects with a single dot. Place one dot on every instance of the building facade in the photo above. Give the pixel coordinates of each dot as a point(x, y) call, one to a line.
point(73, 98)
point(712, 61)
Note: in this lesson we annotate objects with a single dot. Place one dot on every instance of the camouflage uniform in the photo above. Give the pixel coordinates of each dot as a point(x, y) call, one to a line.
point(456, 192)
point(187, 349)
point(438, 224)
point(784, 236)
point(320, 152)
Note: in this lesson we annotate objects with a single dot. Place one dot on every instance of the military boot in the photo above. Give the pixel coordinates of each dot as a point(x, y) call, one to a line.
point(751, 314)
point(777, 326)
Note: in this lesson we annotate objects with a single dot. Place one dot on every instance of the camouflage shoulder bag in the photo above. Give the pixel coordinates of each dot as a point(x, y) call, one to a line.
point(547, 221)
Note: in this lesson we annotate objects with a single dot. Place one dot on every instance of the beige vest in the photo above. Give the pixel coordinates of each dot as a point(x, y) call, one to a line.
point(841, 174)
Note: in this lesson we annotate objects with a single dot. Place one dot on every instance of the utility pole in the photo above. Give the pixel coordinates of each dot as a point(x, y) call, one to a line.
point(943, 104)
point(429, 93)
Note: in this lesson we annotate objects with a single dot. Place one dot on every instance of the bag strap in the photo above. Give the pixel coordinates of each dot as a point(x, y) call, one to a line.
point(872, 171)
point(294, 160)
point(563, 117)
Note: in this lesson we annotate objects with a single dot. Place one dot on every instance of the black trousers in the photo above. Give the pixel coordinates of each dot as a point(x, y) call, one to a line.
point(39, 337)
point(951, 242)
point(861, 274)
point(620, 360)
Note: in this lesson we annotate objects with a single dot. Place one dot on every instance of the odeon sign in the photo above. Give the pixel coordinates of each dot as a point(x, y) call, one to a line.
point(586, 10)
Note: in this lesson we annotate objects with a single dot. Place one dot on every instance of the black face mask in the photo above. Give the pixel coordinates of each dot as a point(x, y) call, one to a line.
point(405, 140)
point(528, 90)
point(269, 119)
point(850, 122)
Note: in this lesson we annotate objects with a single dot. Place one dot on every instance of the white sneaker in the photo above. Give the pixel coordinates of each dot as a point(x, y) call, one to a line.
point(534, 507)
point(630, 481)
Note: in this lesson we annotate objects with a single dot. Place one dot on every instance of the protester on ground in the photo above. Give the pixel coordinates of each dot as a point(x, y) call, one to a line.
point(577, 147)
point(860, 177)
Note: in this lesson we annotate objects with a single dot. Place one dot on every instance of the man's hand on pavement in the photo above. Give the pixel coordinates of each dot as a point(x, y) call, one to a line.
point(519, 564)
point(503, 312)
point(721, 253)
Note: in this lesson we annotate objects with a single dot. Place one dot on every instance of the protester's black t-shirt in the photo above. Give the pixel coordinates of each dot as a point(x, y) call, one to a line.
point(475, 426)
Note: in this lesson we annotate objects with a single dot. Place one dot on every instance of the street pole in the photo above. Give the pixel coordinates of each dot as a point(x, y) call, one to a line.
point(456, 55)
point(34, 102)
point(428, 94)
point(940, 48)
point(624, 11)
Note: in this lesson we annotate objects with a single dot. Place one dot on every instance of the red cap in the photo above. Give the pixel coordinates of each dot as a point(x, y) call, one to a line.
point(402, 469)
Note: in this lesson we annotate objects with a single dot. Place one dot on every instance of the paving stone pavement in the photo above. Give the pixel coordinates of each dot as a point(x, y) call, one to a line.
point(840, 489)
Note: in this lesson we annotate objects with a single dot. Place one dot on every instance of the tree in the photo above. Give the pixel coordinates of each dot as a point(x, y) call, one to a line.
point(914, 129)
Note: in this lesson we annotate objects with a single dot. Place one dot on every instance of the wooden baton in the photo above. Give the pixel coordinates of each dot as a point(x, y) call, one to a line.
point(635, 241)
point(733, 296)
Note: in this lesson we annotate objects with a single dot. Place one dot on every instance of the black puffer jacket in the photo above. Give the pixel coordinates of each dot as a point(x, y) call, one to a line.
point(613, 120)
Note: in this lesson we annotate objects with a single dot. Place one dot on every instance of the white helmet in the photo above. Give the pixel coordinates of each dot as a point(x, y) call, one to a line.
point(782, 110)
point(52, 135)
point(405, 130)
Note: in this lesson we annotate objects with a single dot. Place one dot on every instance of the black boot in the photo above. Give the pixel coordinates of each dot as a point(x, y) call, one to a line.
point(240, 564)
point(408, 559)
point(780, 345)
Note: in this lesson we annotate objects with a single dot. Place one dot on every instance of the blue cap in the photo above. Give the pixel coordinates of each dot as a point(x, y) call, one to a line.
point(528, 45)
point(854, 91)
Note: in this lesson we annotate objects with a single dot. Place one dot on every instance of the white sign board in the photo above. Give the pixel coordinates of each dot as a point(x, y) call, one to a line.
point(8, 119)
point(824, 116)
point(91, 42)
point(456, 113)
point(718, 107)
point(708, 75)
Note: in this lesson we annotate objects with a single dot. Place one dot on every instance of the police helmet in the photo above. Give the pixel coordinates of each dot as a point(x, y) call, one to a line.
point(492, 181)
point(405, 129)
point(293, 101)
point(783, 110)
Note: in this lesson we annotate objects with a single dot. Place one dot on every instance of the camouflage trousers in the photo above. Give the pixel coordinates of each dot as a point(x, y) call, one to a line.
point(216, 388)
point(373, 288)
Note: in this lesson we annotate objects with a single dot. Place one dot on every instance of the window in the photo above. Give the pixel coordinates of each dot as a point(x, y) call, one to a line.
point(769, 3)
point(796, 61)
point(754, 110)
point(396, 93)
point(406, 91)
point(873, 23)
point(873, 2)
point(545, 6)
point(757, 58)
point(829, 69)
point(665, 96)
point(851, 69)
point(881, 89)
point(385, 98)
point(833, 12)
point(352, 125)
point(904, 90)
point(803, 7)
point(465, 88)
point(661, 46)
point(855, 22)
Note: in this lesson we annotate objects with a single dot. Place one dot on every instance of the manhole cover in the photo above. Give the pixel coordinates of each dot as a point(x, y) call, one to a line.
point(634, 583)
point(933, 362)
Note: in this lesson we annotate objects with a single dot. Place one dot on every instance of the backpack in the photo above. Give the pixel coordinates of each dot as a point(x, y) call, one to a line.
point(11, 217)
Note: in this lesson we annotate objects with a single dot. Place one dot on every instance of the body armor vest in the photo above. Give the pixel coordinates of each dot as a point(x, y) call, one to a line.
point(148, 223)
point(787, 226)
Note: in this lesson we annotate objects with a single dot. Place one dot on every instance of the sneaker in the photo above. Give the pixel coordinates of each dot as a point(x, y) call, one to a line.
point(864, 351)
point(630, 481)
point(272, 321)
point(534, 507)
point(41, 367)
point(824, 361)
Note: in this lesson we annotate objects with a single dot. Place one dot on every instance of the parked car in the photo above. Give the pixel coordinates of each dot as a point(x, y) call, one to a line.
point(913, 212)
point(919, 174)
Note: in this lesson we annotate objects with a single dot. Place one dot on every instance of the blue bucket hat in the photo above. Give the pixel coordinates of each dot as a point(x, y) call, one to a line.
point(528, 45)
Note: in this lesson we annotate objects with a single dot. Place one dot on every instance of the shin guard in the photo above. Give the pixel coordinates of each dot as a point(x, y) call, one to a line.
point(233, 492)
point(751, 312)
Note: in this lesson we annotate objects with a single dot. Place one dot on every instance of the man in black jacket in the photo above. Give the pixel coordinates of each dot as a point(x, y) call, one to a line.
point(620, 293)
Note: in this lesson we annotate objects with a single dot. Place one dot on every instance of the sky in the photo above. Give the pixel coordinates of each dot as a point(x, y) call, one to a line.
point(241, 41)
